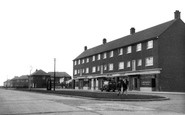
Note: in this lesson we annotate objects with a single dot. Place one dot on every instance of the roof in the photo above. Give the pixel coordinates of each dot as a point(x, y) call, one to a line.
point(59, 74)
point(39, 73)
point(128, 40)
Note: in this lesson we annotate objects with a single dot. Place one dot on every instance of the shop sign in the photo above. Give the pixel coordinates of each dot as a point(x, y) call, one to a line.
point(146, 83)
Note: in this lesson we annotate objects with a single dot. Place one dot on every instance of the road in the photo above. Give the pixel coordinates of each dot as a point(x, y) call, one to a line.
point(28, 103)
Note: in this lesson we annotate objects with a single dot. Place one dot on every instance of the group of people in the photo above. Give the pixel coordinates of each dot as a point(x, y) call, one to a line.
point(122, 86)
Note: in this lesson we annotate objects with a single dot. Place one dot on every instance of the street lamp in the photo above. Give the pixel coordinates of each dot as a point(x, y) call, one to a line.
point(29, 77)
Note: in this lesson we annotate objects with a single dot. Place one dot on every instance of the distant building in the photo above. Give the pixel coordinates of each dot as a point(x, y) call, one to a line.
point(19, 82)
point(7, 83)
point(38, 79)
point(152, 59)
point(60, 78)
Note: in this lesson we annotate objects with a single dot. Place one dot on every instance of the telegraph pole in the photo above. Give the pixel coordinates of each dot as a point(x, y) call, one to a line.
point(54, 72)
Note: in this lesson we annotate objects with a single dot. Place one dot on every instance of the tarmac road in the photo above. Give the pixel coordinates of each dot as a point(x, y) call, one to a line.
point(28, 103)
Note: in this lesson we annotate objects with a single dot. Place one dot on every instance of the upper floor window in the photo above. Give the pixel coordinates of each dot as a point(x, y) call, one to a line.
point(104, 55)
point(93, 58)
point(105, 67)
point(129, 49)
point(139, 47)
point(121, 65)
point(98, 68)
point(128, 64)
point(120, 51)
point(149, 61)
point(83, 71)
point(78, 71)
point(111, 67)
point(78, 62)
point(150, 44)
point(99, 56)
point(83, 61)
point(139, 63)
point(75, 72)
point(94, 69)
point(75, 62)
point(87, 60)
point(87, 70)
point(111, 53)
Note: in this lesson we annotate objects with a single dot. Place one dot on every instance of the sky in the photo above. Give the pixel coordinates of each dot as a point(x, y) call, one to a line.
point(34, 32)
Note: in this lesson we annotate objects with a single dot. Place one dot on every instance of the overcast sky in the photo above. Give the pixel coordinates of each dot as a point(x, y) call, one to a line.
point(34, 32)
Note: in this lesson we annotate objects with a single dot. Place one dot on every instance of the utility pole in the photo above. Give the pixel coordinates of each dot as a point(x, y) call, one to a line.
point(54, 72)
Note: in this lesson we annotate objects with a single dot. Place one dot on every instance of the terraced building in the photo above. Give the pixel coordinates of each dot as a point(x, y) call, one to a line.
point(152, 59)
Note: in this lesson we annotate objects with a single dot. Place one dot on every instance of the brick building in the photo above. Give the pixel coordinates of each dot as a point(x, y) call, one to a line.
point(152, 59)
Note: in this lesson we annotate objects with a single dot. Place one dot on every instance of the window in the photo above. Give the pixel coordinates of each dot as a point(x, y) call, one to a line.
point(150, 44)
point(104, 55)
point(149, 61)
point(99, 56)
point(129, 49)
point(87, 60)
point(75, 71)
point(128, 64)
point(98, 68)
point(93, 58)
point(83, 71)
point(139, 47)
point(105, 67)
point(78, 62)
point(75, 63)
point(78, 71)
point(83, 61)
point(111, 53)
point(111, 67)
point(139, 63)
point(121, 51)
point(121, 65)
point(87, 70)
point(94, 69)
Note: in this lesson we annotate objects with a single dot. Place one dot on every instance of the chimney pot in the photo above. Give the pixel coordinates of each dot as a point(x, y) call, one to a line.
point(85, 48)
point(104, 41)
point(132, 30)
point(177, 14)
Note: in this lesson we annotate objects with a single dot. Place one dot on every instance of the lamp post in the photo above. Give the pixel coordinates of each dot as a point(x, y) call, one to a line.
point(54, 72)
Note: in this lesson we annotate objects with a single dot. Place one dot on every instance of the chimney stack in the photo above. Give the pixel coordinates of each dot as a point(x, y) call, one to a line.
point(132, 30)
point(177, 14)
point(85, 48)
point(104, 41)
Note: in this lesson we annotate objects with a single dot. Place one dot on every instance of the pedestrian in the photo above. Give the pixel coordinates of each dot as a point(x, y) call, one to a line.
point(119, 87)
point(124, 85)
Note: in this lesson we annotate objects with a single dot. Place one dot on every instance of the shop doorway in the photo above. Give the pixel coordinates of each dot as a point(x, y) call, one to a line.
point(135, 83)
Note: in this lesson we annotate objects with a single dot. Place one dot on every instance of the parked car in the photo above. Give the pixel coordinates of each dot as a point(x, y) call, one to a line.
point(109, 86)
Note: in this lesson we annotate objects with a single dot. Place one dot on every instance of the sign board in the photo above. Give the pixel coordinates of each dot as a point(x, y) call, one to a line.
point(146, 82)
